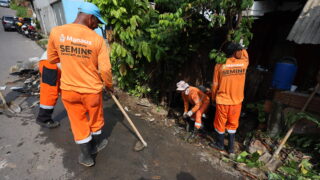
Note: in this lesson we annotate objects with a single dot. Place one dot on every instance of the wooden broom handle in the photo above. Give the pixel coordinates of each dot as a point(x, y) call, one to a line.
point(128, 118)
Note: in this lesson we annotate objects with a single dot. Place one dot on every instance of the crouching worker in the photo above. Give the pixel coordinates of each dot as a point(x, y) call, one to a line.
point(49, 92)
point(228, 94)
point(198, 99)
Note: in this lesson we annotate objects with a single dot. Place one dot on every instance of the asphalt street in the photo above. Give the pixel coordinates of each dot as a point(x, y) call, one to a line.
point(30, 152)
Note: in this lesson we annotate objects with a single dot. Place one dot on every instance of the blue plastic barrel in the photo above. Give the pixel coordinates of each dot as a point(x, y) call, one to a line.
point(284, 75)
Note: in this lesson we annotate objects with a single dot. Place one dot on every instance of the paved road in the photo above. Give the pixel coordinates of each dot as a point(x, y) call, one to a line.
point(30, 152)
point(14, 47)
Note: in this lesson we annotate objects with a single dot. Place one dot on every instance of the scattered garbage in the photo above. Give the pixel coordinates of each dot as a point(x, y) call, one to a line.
point(257, 146)
point(126, 108)
point(16, 88)
point(144, 102)
point(25, 67)
point(7, 110)
point(15, 108)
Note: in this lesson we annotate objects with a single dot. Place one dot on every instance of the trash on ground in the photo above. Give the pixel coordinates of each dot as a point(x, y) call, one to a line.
point(126, 108)
point(144, 102)
point(257, 146)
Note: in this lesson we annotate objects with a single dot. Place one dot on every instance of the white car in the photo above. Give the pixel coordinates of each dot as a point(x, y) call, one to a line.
point(4, 3)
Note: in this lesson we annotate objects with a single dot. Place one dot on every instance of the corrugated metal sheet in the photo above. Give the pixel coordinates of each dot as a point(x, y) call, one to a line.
point(306, 29)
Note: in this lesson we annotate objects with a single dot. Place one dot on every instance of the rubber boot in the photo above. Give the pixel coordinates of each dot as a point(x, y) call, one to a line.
point(44, 119)
point(98, 143)
point(85, 155)
point(219, 144)
point(231, 143)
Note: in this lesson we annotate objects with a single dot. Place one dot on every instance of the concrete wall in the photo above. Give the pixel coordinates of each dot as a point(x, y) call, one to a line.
point(45, 14)
point(50, 15)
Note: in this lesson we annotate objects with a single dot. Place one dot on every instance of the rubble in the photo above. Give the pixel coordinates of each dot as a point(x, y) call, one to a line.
point(265, 157)
point(252, 172)
point(273, 164)
point(25, 67)
point(159, 111)
point(144, 102)
point(257, 146)
point(126, 108)
point(15, 108)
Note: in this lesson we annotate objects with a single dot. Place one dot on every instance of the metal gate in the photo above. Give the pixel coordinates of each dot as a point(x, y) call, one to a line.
point(59, 13)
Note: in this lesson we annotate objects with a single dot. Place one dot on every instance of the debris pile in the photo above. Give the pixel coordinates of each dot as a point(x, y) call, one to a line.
point(26, 83)
point(257, 162)
point(28, 73)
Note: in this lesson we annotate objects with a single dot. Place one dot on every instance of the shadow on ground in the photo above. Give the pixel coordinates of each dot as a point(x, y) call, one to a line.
point(166, 156)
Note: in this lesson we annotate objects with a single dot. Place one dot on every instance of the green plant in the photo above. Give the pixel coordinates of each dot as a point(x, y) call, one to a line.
point(251, 160)
point(20, 10)
point(294, 117)
point(309, 143)
point(225, 12)
point(151, 45)
point(295, 170)
point(259, 108)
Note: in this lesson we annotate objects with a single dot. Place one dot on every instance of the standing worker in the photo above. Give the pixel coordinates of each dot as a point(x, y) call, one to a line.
point(49, 92)
point(86, 70)
point(228, 93)
point(197, 98)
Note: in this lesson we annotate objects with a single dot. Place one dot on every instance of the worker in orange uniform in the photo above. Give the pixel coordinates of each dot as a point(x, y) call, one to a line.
point(198, 99)
point(49, 92)
point(86, 71)
point(228, 93)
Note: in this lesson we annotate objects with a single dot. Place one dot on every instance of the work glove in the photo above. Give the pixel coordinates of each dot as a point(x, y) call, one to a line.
point(189, 113)
point(185, 115)
point(204, 116)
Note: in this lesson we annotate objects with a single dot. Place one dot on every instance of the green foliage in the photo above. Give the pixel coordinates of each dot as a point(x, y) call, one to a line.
point(294, 117)
point(251, 160)
point(153, 44)
point(309, 143)
point(20, 10)
point(295, 170)
point(259, 108)
point(219, 56)
point(242, 34)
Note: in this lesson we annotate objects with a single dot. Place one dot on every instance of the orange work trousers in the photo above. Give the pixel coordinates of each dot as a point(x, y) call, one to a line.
point(227, 117)
point(49, 84)
point(85, 113)
point(198, 115)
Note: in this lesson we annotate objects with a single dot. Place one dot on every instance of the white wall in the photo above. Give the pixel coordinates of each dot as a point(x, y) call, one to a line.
point(45, 14)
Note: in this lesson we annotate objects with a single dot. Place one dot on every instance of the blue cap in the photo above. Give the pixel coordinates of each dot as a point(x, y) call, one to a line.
point(90, 8)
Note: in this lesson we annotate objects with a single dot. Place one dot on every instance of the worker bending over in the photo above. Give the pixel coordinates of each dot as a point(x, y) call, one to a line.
point(195, 97)
point(86, 71)
point(49, 91)
point(228, 93)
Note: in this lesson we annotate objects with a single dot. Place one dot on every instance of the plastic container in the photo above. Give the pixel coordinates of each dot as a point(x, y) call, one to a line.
point(284, 73)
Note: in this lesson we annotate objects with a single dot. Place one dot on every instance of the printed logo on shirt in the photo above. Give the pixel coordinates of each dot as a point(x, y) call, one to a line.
point(78, 40)
point(75, 51)
point(231, 65)
point(237, 71)
point(78, 48)
point(234, 65)
point(62, 38)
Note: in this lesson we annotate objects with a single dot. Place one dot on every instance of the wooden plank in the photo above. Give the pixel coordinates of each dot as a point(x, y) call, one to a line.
point(297, 100)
